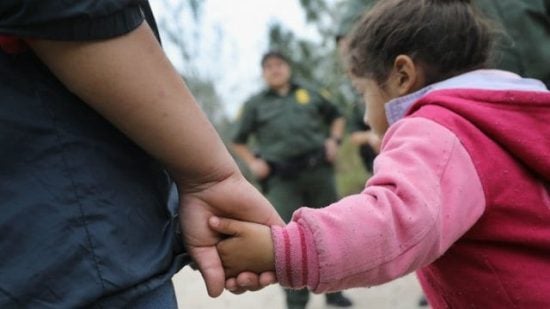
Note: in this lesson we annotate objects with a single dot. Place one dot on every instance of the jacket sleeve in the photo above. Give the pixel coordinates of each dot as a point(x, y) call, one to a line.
point(245, 124)
point(327, 108)
point(424, 195)
point(70, 20)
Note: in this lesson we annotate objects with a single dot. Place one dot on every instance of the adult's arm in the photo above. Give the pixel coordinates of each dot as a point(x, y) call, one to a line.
point(130, 82)
point(333, 142)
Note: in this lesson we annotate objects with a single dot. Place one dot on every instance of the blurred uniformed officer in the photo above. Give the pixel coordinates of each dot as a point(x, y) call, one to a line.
point(297, 133)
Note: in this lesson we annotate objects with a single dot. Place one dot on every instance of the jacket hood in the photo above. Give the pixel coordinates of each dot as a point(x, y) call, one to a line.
point(511, 111)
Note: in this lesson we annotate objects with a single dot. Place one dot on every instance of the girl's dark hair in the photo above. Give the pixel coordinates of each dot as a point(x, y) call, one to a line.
point(446, 37)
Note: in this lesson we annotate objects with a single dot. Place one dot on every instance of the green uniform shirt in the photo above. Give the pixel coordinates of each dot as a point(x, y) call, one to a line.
point(286, 126)
point(526, 49)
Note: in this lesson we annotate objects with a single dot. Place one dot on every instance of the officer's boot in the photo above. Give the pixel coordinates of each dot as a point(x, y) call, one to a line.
point(297, 299)
point(338, 300)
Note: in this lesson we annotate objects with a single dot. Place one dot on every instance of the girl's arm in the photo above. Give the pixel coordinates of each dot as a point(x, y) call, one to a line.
point(130, 82)
point(425, 194)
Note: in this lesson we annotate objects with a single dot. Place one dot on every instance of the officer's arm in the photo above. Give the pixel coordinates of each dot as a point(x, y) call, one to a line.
point(245, 126)
point(337, 129)
point(244, 152)
point(333, 117)
point(259, 167)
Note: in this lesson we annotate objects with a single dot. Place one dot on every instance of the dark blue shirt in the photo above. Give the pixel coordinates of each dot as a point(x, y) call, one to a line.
point(84, 220)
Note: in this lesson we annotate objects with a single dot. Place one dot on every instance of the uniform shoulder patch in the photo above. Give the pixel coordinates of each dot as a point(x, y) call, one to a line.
point(302, 96)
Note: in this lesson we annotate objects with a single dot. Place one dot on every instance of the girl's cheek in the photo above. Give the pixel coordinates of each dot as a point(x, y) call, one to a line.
point(375, 117)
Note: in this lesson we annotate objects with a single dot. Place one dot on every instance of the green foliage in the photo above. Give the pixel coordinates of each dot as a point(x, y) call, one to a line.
point(350, 173)
point(180, 25)
point(314, 9)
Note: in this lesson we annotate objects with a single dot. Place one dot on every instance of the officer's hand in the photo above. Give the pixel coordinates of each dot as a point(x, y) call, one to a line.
point(260, 169)
point(331, 150)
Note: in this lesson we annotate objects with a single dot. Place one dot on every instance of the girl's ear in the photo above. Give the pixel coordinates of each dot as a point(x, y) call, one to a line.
point(408, 76)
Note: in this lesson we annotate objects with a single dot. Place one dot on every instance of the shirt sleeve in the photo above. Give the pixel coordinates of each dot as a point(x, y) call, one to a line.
point(355, 121)
point(246, 123)
point(70, 20)
point(328, 110)
point(424, 195)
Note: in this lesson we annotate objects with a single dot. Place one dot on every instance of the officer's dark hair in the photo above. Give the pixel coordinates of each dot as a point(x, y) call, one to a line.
point(273, 54)
point(445, 37)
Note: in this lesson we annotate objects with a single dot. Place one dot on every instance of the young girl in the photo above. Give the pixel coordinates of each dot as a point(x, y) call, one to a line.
point(460, 191)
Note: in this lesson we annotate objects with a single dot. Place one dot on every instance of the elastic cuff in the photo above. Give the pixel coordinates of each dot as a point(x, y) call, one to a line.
point(296, 261)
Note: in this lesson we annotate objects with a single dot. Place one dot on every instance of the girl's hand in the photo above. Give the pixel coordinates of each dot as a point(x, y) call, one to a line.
point(232, 197)
point(249, 247)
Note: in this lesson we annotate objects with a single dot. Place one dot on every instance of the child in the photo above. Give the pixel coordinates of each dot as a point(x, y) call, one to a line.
point(460, 189)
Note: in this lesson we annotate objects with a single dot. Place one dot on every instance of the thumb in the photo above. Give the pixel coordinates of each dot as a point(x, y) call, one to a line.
point(225, 226)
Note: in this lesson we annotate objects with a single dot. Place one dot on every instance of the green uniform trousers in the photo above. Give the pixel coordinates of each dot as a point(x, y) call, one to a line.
point(313, 187)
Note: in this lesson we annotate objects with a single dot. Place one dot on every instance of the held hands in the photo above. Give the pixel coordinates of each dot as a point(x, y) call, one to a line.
point(231, 197)
point(249, 247)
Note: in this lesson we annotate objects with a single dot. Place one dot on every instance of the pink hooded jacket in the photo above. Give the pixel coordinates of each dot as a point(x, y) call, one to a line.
point(459, 192)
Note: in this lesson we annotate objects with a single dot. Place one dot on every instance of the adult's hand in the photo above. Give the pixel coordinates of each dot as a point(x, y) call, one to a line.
point(231, 197)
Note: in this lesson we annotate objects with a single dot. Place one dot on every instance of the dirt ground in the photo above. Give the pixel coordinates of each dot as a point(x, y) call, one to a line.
point(403, 293)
